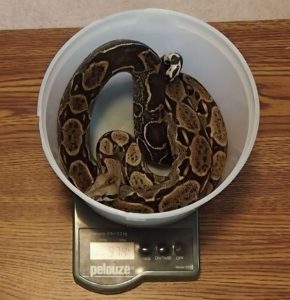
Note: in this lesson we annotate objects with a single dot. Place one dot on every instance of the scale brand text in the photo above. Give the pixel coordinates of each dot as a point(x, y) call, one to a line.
point(107, 270)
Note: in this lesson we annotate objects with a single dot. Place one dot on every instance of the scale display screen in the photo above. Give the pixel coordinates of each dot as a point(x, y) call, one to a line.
point(112, 250)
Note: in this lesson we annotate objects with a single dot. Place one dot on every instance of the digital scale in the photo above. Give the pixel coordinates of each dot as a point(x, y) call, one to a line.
point(112, 258)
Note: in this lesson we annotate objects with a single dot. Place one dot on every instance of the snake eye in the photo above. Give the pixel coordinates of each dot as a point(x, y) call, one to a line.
point(175, 59)
point(166, 62)
point(166, 59)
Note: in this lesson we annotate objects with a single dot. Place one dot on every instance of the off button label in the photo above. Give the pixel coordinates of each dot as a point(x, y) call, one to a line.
point(178, 258)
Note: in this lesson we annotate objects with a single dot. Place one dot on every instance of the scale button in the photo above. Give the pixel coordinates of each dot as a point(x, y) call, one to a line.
point(163, 249)
point(145, 250)
point(179, 249)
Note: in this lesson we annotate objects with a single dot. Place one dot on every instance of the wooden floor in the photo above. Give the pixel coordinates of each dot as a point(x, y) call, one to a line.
point(244, 232)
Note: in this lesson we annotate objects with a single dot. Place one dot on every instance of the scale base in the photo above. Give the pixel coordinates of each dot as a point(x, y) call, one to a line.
point(112, 258)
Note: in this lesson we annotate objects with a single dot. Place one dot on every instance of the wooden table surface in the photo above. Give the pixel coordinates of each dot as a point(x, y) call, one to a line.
point(244, 232)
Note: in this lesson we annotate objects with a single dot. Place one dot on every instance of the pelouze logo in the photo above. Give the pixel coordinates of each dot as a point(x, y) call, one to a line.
point(106, 270)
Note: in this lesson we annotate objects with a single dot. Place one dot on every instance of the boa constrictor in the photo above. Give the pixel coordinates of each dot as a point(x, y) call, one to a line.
point(176, 121)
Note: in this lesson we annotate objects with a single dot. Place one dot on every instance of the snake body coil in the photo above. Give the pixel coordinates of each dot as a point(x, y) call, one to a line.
point(175, 121)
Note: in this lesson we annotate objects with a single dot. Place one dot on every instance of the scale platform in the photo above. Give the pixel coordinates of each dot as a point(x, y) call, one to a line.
point(112, 258)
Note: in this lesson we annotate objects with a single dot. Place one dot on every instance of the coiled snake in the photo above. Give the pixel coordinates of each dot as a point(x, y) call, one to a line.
point(176, 122)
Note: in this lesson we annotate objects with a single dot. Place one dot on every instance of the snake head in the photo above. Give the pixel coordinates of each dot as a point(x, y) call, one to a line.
point(173, 64)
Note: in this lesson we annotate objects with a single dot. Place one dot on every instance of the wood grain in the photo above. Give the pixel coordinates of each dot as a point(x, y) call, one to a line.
point(245, 231)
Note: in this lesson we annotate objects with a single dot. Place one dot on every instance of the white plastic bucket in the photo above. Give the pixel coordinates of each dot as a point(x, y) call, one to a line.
point(208, 56)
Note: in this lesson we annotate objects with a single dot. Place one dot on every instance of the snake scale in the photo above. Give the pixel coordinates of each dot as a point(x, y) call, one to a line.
point(176, 122)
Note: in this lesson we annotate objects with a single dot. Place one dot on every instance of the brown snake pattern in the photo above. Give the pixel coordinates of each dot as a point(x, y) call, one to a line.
point(175, 121)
